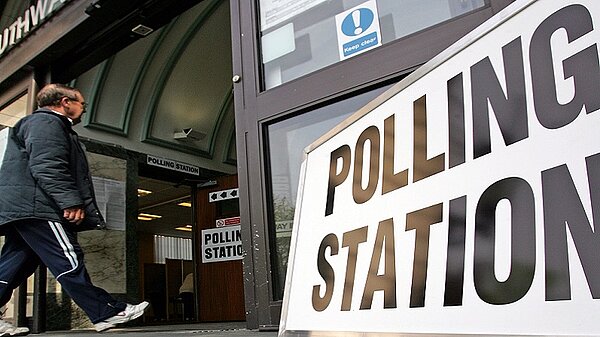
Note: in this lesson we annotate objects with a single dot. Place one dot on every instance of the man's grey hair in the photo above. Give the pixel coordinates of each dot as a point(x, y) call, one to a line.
point(51, 94)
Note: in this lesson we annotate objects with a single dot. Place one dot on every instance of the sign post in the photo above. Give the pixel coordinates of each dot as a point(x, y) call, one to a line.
point(466, 199)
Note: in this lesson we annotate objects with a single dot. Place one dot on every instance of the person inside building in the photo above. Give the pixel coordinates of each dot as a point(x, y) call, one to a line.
point(46, 197)
point(186, 292)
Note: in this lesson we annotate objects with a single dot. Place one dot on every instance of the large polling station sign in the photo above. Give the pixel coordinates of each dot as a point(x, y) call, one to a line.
point(466, 199)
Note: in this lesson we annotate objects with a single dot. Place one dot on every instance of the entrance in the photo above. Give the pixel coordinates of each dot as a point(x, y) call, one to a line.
point(221, 286)
point(173, 220)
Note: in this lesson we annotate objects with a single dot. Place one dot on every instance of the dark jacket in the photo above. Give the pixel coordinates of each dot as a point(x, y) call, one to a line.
point(45, 171)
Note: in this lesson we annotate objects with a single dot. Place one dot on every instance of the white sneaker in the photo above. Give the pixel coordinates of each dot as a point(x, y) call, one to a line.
point(7, 329)
point(130, 313)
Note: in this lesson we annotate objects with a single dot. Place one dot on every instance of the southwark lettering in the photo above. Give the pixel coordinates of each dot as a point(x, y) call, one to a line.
point(23, 25)
point(551, 215)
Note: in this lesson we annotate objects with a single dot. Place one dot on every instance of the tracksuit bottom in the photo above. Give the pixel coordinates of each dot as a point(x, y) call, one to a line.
point(33, 241)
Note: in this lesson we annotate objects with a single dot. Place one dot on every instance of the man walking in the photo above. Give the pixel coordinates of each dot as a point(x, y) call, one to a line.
point(46, 197)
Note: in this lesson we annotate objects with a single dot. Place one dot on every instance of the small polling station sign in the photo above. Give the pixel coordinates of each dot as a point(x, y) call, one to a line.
point(465, 199)
point(358, 30)
point(222, 244)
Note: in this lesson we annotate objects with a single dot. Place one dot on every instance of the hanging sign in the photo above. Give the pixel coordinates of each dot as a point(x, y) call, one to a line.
point(358, 30)
point(466, 199)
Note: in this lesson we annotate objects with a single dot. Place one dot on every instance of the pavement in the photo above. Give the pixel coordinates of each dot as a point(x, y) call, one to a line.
point(229, 329)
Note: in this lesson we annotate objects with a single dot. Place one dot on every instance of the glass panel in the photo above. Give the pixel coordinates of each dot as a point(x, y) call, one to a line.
point(287, 140)
point(10, 114)
point(299, 37)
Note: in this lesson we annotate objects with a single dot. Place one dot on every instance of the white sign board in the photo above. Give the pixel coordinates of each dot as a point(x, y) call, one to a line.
point(464, 200)
point(172, 165)
point(358, 30)
point(222, 244)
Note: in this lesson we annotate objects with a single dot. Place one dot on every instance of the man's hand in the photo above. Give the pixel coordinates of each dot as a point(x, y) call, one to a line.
point(74, 214)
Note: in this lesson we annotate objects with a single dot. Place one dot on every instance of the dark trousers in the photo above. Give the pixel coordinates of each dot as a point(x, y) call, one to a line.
point(29, 242)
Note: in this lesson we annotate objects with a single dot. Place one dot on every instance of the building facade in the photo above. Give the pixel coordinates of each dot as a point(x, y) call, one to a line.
point(194, 99)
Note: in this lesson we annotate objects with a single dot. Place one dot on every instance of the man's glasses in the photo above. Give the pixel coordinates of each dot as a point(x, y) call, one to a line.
point(84, 105)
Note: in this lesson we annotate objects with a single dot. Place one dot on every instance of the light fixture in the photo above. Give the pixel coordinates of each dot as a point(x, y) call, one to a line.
point(186, 228)
point(143, 193)
point(185, 204)
point(142, 30)
point(188, 134)
point(148, 217)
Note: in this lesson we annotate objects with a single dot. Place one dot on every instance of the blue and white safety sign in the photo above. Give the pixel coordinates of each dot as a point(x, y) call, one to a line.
point(358, 29)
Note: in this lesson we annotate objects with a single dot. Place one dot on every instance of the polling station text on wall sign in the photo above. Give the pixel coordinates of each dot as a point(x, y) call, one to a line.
point(222, 244)
point(465, 200)
point(172, 165)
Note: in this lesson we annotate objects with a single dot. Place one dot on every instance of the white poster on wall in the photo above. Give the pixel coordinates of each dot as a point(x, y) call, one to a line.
point(466, 199)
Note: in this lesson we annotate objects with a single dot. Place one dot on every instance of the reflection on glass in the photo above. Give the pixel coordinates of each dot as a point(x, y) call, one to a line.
point(287, 140)
point(299, 37)
point(11, 114)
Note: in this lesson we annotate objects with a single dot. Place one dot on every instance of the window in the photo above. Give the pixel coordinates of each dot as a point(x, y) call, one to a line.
point(286, 142)
point(168, 247)
point(299, 37)
point(10, 114)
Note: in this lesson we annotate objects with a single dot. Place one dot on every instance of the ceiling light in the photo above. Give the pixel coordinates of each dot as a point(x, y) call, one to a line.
point(148, 217)
point(143, 193)
point(187, 228)
point(185, 204)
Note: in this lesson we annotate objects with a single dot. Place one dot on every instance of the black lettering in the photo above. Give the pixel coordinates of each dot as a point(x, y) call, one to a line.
point(206, 238)
point(351, 240)
point(343, 152)
point(510, 110)
point(208, 253)
point(563, 208)
point(583, 67)
point(455, 261)
point(423, 167)
point(387, 281)
point(372, 135)
point(420, 221)
point(327, 273)
point(391, 181)
point(456, 121)
point(522, 263)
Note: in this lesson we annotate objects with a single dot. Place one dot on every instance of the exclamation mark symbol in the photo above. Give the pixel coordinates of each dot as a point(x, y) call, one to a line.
point(356, 20)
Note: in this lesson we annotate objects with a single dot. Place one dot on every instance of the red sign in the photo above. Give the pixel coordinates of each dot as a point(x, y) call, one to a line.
point(228, 221)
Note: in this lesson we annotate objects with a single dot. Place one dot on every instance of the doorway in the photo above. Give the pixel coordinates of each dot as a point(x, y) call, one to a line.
point(219, 254)
point(190, 251)
point(164, 229)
